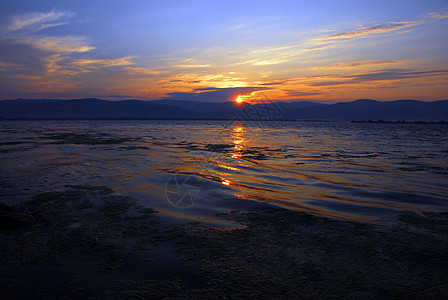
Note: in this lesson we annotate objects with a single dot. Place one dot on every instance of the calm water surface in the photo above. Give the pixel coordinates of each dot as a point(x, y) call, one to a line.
point(365, 172)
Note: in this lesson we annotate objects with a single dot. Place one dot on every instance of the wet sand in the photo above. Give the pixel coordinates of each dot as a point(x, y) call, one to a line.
point(90, 242)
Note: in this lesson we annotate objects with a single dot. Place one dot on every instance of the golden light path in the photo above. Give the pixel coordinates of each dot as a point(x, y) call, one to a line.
point(237, 138)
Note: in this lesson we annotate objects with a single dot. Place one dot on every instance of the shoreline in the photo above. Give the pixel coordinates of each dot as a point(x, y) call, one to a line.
point(130, 251)
point(419, 122)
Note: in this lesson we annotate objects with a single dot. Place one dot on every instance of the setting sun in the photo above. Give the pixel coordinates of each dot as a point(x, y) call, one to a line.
point(239, 99)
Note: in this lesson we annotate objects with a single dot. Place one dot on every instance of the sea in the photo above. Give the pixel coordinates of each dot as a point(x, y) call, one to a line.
point(190, 170)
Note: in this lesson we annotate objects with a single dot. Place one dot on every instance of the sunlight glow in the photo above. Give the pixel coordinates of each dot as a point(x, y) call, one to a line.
point(239, 99)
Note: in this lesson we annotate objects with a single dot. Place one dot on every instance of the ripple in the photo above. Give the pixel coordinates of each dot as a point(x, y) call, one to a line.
point(336, 169)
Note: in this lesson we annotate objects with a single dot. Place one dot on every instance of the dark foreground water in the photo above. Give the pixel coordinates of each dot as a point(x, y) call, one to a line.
point(191, 169)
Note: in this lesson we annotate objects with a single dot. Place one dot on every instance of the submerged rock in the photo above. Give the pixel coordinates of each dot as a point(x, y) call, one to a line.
point(8, 222)
point(12, 218)
point(218, 147)
point(86, 138)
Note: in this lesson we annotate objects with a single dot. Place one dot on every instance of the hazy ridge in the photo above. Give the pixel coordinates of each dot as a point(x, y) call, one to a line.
point(93, 108)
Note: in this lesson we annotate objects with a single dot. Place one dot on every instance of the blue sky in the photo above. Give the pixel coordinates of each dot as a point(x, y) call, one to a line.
point(284, 50)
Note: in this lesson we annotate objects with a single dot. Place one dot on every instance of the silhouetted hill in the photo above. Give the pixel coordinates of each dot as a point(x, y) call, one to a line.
point(230, 110)
point(92, 108)
point(208, 110)
point(298, 104)
point(366, 109)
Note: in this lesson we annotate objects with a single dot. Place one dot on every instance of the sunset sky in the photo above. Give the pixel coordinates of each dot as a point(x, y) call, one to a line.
point(326, 51)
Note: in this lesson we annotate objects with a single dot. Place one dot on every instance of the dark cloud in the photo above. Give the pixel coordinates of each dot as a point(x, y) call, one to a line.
point(206, 89)
point(273, 83)
point(37, 95)
point(368, 30)
point(119, 96)
point(393, 74)
point(213, 94)
point(325, 83)
point(301, 94)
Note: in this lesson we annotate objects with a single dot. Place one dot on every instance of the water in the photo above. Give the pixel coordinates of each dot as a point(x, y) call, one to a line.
point(190, 169)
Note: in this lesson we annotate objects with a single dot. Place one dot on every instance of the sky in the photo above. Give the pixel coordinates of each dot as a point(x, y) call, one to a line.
point(327, 51)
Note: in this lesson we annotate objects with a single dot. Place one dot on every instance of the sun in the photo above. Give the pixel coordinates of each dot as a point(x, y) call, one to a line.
point(239, 99)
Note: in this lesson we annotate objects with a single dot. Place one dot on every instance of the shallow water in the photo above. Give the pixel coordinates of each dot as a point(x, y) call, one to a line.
point(190, 169)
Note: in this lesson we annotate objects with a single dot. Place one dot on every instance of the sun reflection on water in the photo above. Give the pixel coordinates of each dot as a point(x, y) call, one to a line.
point(323, 168)
point(226, 182)
point(228, 167)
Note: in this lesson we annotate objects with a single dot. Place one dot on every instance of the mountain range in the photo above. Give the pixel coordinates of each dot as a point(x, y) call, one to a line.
point(93, 108)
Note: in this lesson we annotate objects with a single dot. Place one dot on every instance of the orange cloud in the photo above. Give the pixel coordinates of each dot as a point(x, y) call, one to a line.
point(193, 66)
point(65, 44)
point(357, 64)
point(101, 63)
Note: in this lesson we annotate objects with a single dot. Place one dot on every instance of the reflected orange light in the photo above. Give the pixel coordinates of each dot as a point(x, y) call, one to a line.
point(236, 156)
point(228, 167)
point(226, 182)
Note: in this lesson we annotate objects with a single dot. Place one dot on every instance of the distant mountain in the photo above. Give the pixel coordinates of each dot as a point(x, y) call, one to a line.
point(93, 108)
point(366, 109)
point(230, 110)
point(298, 104)
point(207, 110)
